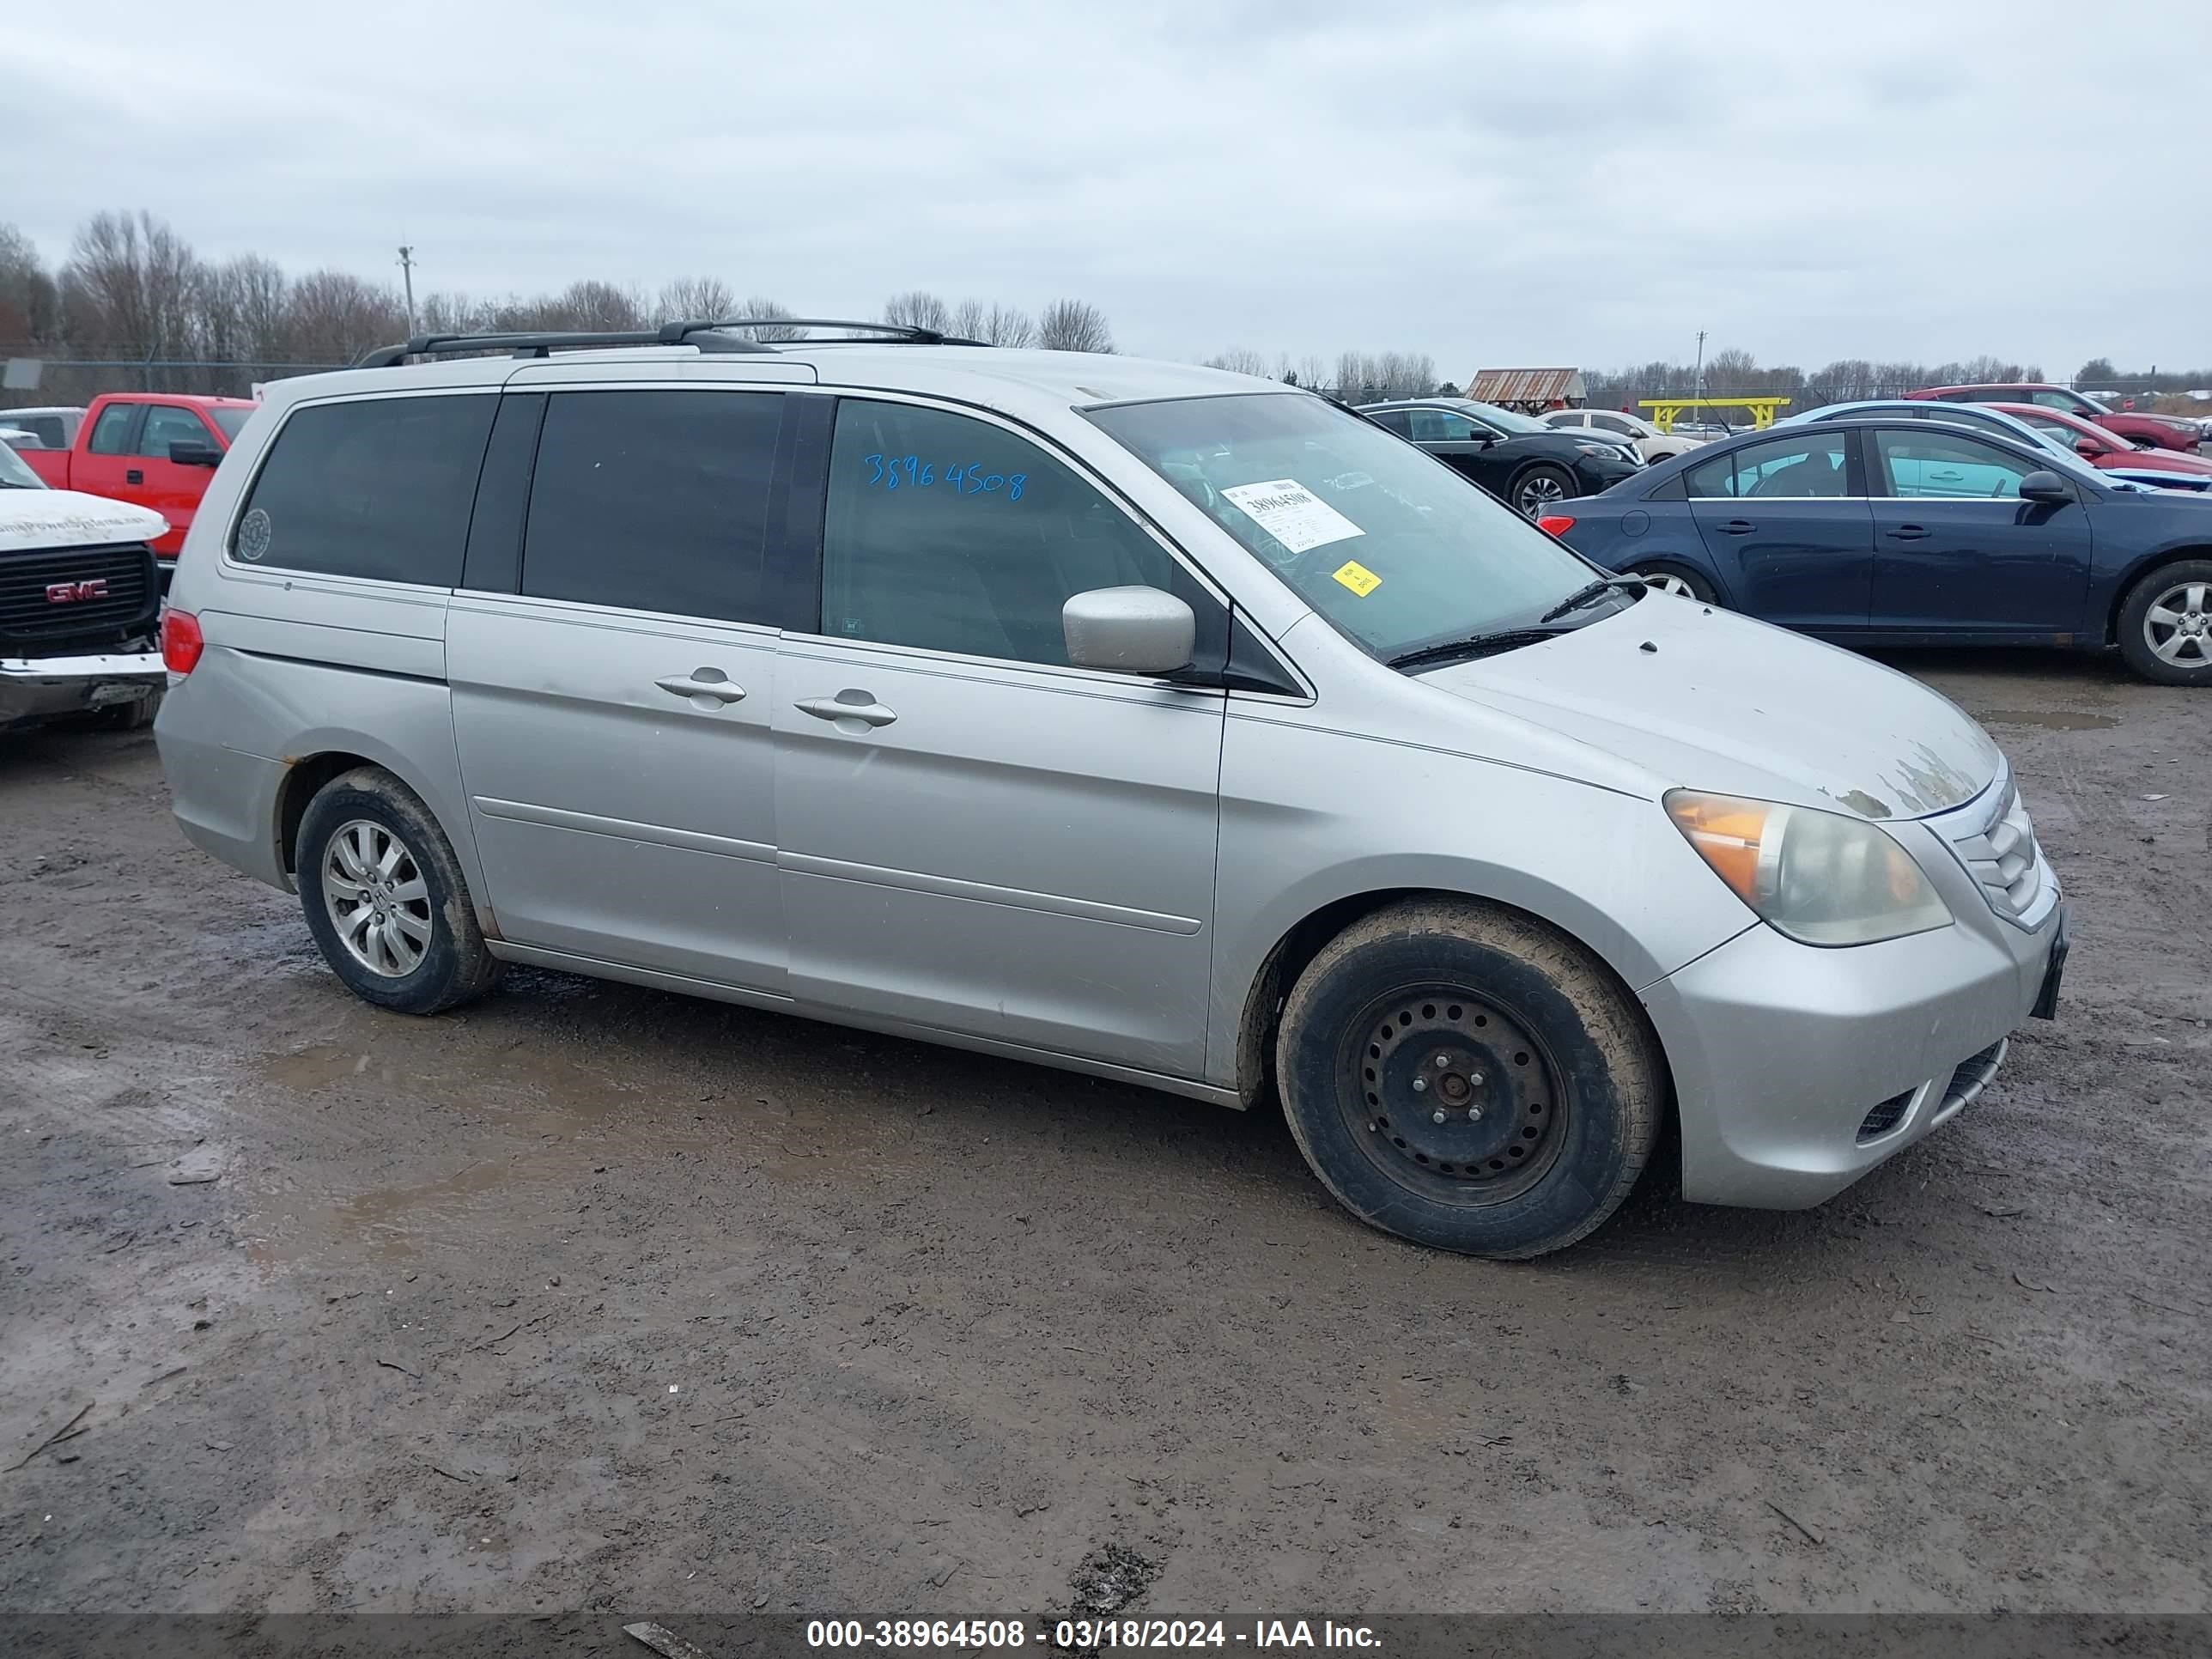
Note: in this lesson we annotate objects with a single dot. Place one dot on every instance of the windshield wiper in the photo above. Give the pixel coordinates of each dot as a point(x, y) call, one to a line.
point(1477, 645)
point(1581, 596)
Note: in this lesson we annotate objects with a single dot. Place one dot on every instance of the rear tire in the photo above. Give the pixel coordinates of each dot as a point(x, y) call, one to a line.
point(1465, 1077)
point(2165, 624)
point(386, 899)
point(1674, 579)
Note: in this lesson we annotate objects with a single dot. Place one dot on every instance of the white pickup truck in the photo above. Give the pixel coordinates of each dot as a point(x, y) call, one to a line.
point(80, 604)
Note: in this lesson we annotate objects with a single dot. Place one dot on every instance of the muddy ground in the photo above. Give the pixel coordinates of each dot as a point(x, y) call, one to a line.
point(594, 1297)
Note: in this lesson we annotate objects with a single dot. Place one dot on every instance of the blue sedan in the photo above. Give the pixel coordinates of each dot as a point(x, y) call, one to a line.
point(1886, 531)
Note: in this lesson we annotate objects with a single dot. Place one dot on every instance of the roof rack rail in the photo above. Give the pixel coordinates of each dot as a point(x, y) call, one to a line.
point(708, 334)
point(535, 344)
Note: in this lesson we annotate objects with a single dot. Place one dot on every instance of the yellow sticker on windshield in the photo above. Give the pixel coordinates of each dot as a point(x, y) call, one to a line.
point(1357, 577)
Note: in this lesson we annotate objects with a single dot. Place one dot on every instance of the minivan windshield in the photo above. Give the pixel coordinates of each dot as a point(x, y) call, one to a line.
point(1391, 546)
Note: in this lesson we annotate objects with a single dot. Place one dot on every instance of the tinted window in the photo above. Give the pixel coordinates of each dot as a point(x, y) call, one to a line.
point(112, 436)
point(1807, 464)
point(654, 500)
point(1935, 465)
point(1441, 426)
point(232, 420)
point(1567, 417)
point(947, 533)
point(1400, 420)
point(167, 424)
point(1613, 424)
point(379, 487)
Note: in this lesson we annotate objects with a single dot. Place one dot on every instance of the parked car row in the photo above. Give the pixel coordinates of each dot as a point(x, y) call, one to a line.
point(1875, 527)
point(1522, 461)
point(1136, 719)
point(153, 450)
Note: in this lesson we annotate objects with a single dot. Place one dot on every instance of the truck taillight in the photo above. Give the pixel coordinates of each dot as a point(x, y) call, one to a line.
point(181, 642)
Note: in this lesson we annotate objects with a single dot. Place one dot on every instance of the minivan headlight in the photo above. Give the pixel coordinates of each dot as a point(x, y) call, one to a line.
point(1820, 878)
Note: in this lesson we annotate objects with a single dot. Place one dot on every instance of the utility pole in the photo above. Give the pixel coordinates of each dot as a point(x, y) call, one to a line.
point(407, 275)
point(1698, 387)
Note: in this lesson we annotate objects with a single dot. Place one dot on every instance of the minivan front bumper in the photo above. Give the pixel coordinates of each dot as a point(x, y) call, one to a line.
point(33, 690)
point(1797, 1070)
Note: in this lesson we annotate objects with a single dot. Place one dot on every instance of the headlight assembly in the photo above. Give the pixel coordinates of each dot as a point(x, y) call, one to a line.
point(1820, 878)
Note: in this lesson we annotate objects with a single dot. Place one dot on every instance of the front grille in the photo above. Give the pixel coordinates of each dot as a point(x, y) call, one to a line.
point(1886, 1116)
point(1996, 840)
point(30, 618)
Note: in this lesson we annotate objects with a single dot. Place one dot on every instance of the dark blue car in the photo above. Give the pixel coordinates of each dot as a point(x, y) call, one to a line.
point(1893, 531)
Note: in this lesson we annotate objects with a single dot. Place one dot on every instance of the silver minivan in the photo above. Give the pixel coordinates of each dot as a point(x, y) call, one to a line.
point(1142, 719)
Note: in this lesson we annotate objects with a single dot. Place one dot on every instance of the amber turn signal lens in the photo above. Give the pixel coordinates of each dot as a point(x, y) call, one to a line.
point(1728, 834)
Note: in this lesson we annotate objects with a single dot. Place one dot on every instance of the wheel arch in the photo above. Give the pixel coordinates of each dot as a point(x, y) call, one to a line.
point(1305, 940)
point(2148, 565)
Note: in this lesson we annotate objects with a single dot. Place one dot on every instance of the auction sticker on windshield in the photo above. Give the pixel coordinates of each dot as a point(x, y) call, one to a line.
point(1292, 513)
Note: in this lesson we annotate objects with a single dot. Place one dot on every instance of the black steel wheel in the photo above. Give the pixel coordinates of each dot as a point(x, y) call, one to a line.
point(1464, 1076)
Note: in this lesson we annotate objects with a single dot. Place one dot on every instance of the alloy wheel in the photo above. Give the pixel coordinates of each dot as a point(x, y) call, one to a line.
point(2177, 627)
point(378, 899)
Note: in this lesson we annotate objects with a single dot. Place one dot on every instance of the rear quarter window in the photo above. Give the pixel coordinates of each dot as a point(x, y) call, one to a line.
point(379, 489)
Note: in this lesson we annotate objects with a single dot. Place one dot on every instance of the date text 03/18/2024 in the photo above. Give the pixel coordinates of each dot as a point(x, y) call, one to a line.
point(1087, 1634)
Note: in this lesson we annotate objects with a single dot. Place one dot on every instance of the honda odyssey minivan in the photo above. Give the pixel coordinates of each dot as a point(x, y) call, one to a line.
point(1145, 720)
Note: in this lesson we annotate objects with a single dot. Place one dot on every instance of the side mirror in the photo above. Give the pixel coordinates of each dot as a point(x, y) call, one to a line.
point(1129, 630)
point(185, 452)
point(2087, 446)
point(2045, 486)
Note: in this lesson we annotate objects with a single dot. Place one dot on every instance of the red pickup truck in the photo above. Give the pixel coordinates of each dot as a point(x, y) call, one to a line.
point(153, 449)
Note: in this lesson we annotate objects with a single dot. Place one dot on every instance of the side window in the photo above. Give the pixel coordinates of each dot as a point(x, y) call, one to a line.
point(654, 500)
point(2054, 400)
point(112, 436)
point(46, 429)
point(1400, 420)
point(1441, 426)
point(167, 424)
point(379, 487)
point(951, 534)
point(1566, 417)
point(1810, 464)
point(1945, 466)
point(1613, 424)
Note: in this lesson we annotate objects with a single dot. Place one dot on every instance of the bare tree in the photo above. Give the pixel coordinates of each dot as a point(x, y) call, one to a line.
point(334, 316)
point(133, 281)
point(918, 310)
point(1074, 326)
point(768, 332)
point(1240, 360)
point(30, 300)
point(694, 299)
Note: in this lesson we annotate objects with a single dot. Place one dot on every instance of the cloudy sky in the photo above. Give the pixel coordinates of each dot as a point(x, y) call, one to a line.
point(1554, 181)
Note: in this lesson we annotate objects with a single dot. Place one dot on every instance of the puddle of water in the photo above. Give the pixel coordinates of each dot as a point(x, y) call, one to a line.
point(2052, 720)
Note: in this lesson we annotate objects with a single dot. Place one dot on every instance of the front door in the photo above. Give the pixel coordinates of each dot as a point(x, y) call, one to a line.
point(613, 714)
point(974, 836)
point(1465, 444)
point(1958, 552)
point(170, 488)
point(1786, 523)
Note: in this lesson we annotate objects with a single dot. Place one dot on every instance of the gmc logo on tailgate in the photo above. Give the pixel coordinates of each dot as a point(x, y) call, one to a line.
point(70, 592)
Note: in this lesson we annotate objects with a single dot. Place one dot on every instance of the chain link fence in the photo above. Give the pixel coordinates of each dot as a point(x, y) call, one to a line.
point(34, 374)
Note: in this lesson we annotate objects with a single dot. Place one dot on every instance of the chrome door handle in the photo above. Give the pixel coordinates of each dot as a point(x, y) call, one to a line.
point(859, 706)
point(708, 688)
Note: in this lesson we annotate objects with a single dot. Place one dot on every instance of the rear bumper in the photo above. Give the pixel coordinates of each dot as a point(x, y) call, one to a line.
point(37, 689)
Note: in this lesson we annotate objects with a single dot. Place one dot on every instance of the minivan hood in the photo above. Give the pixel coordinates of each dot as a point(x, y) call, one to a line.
point(69, 517)
point(1703, 699)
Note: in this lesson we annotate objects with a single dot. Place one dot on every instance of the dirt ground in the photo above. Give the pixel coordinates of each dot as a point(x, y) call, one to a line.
point(593, 1297)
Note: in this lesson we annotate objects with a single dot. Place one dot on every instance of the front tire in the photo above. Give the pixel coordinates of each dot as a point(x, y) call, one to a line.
point(384, 897)
point(1673, 579)
point(2165, 624)
point(1542, 487)
point(1465, 1077)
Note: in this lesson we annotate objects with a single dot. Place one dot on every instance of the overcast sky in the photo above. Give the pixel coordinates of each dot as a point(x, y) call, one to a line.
point(1541, 181)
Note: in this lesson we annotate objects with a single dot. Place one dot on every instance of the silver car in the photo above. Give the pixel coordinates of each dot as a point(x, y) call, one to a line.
point(1145, 720)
